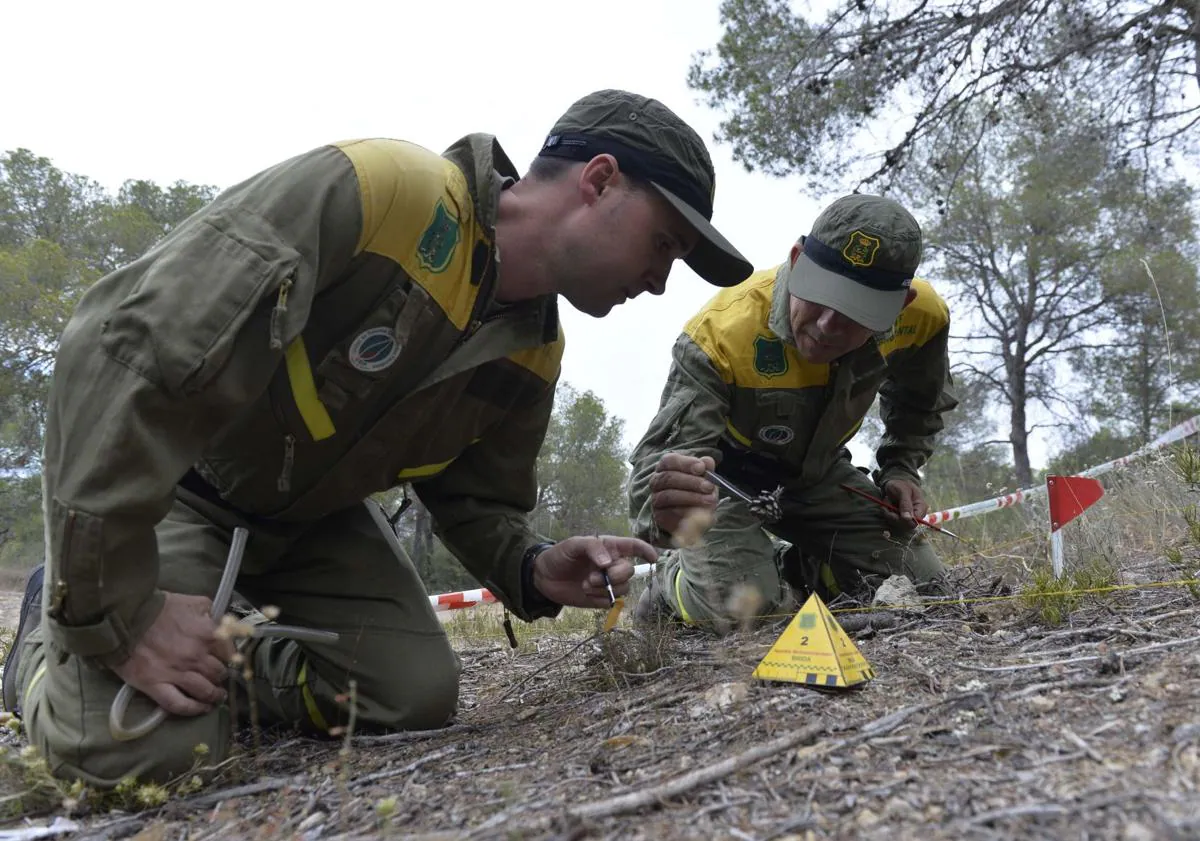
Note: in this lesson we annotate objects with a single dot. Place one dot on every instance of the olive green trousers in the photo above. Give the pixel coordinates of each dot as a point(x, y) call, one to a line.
point(840, 542)
point(345, 573)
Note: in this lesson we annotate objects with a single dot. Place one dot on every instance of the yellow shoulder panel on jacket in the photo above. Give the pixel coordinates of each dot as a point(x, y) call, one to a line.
point(418, 211)
point(545, 361)
point(733, 332)
point(919, 322)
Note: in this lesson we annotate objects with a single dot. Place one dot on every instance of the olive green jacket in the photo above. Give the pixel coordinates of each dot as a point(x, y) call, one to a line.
point(739, 391)
point(322, 331)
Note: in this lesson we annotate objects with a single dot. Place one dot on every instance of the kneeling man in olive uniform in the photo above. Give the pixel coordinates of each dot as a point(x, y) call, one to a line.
point(365, 315)
point(768, 384)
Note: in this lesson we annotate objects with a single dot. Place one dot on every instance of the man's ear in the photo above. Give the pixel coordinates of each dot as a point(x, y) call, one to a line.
point(597, 175)
point(910, 297)
point(797, 250)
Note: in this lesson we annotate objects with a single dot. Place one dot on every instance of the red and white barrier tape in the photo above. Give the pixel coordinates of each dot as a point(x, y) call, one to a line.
point(463, 598)
point(471, 598)
point(1175, 433)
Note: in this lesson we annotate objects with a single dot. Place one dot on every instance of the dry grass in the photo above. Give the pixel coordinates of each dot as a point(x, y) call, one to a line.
point(486, 622)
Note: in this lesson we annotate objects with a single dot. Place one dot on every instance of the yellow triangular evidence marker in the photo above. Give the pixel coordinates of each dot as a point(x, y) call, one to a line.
point(814, 650)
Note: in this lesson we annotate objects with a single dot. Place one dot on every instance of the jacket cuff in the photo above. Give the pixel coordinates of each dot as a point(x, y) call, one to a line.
point(895, 471)
point(111, 640)
point(533, 603)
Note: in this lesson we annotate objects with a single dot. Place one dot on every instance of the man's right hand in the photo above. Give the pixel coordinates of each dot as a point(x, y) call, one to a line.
point(179, 662)
point(678, 488)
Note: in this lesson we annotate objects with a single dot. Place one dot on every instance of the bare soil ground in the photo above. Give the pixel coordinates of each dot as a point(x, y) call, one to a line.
point(982, 722)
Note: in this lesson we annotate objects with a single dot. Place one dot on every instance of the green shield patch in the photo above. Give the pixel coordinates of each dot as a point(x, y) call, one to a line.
point(769, 358)
point(439, 240)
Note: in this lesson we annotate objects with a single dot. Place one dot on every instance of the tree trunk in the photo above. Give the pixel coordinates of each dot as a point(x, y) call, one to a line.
point(1018, 429)
point(422, 536)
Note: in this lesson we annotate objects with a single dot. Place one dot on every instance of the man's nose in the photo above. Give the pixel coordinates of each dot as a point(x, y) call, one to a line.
point(659, 273)
point(830, 321)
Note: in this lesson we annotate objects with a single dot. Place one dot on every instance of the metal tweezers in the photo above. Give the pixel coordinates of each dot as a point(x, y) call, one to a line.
point(765, 505)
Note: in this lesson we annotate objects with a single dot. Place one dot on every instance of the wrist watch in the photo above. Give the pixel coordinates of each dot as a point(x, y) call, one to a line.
point(530, 595)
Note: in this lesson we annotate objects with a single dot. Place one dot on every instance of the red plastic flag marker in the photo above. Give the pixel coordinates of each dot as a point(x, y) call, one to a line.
point(1069, 497)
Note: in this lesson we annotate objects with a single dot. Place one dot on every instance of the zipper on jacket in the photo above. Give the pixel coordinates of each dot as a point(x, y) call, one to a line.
point(289, 459)
point(58, 593)
point(279, 311)
point(486, 291)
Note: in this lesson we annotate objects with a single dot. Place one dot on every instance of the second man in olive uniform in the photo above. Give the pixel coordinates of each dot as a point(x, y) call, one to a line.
point(768, 384)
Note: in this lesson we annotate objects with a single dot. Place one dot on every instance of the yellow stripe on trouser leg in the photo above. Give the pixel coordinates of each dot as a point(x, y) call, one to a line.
point(830, 580)
point(304, 392)
point(33, 681)
point(310, 702)
point(683, 613)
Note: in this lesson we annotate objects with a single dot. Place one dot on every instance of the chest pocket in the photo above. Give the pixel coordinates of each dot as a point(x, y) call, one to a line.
point(367, 354)
point(233, 262)
point(784, 422)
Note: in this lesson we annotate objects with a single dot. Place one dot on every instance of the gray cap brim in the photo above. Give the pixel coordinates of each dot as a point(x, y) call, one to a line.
point(872, 308)
point(713, 258)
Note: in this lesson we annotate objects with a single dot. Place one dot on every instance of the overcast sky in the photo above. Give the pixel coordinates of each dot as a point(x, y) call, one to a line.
point(213, 92)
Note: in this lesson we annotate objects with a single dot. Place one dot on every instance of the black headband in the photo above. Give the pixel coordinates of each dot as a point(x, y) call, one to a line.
point(637, 162)
point(884, 280)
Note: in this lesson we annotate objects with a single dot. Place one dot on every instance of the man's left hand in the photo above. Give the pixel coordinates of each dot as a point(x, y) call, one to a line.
point(572, 572)
point(909, 498)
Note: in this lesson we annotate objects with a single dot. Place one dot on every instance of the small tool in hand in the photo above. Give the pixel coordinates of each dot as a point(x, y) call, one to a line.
point(765, 505)
point(733, 489)
point(884, 503)
point(616, 606)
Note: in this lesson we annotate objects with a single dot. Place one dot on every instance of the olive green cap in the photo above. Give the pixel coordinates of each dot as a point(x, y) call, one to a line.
point(859, 260)
point(652, 143)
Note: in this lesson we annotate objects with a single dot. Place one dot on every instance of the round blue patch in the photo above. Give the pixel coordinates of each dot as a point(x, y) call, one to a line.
point(777, 435)
point(373, 350)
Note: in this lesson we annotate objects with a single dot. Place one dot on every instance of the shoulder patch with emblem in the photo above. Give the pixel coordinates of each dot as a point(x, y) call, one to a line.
point(439, 240)
point(769, 357)
point(374, 349)
point(861, 249)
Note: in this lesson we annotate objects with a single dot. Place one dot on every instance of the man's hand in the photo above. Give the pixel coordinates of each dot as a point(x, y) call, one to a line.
point(678, 488)
point(179, 662)
point(572, 572)
point(908, 497)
